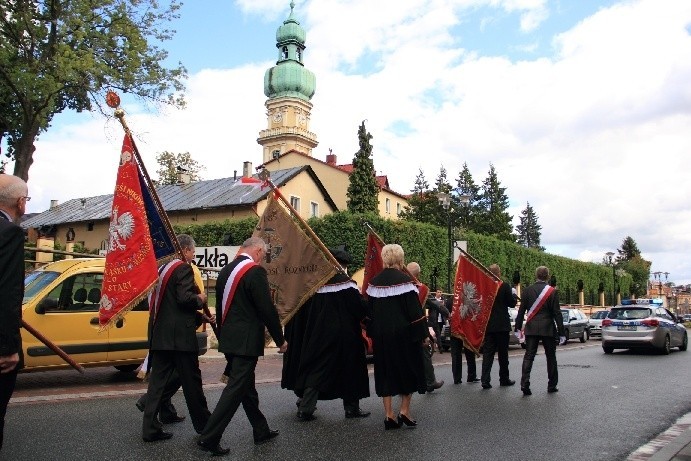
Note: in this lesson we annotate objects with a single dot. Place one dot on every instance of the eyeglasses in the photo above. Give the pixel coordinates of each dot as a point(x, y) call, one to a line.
point(26, 197)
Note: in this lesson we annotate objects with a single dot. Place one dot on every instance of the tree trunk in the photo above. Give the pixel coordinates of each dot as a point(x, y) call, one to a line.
point(24, 154)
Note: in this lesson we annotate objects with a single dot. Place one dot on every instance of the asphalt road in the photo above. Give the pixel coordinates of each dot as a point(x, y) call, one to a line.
point(606, 407)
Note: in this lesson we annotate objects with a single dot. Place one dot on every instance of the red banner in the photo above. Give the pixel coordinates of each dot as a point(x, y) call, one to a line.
point(130, 270)
point(373, 262)
point(473, 295)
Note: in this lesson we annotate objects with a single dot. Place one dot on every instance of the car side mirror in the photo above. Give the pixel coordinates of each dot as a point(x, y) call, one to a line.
point(46, 304)
point(572, 319)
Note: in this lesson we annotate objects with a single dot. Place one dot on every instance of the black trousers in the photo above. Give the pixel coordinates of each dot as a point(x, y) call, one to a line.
point(310, 396)
point(240, 389)
point(163, 365)
point(550, 345)
point(457, 361)
point(430, 377)
point(167, 409)
point(7, 383)
point(497, 341)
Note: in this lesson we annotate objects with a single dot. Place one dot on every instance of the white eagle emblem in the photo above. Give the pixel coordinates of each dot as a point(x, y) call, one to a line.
point(125, 156)
point(472, 304)
point(106, 303)
point(121, 228)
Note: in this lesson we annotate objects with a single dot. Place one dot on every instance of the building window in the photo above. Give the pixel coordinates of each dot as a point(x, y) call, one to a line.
point(295, 203)
point(90, 226)
point(314, 210)
point(388, 206)
point(398, 209)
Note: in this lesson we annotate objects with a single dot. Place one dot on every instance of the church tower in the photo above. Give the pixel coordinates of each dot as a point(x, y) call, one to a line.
point(289, 87)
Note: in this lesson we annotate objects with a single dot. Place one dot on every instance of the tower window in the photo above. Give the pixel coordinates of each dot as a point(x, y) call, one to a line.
point(298, 54)
point(275, 154)
point(284, 52)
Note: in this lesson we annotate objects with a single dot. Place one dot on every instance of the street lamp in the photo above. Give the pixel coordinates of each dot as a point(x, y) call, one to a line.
point(445, 201)
point(609, 255)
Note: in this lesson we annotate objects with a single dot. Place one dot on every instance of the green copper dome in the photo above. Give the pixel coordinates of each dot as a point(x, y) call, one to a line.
point(289, 77)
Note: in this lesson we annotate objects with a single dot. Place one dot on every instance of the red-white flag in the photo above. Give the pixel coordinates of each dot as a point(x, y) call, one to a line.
point(373, 261)
point(473, 295)
point(130, 270)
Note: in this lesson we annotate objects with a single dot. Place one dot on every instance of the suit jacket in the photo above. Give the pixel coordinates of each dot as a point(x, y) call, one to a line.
point(434, 308)
point(542, 323)
point(11, 286)
point(499, 319)
point(176, 322)
point(251, 309)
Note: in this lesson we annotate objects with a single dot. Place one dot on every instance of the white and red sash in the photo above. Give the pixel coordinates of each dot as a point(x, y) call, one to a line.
point(156, 294)
point(539, 302)
point(232, 284)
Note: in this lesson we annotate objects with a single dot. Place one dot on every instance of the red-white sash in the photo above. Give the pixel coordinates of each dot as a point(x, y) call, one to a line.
point(156, 294)
point(539, 302)
point(232, 284)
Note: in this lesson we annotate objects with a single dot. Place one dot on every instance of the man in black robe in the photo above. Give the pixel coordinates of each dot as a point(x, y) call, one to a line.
point(327, 357)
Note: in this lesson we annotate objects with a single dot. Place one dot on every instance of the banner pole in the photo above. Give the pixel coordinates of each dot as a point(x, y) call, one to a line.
point(264, 175)
point(52, 346)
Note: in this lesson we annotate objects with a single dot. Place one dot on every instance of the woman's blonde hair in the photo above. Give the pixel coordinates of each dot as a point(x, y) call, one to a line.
point(392, 256)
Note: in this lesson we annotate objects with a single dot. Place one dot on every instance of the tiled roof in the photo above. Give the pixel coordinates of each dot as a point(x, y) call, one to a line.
point(210, 194)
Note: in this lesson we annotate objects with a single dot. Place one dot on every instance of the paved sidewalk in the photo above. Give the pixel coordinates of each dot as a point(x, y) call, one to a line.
point(674, 444)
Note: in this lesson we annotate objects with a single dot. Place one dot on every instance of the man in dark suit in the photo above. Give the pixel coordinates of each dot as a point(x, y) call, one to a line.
point(173, 343)
point(540, 306)
point(497, 334)
point(243, 308)
point(13, 198)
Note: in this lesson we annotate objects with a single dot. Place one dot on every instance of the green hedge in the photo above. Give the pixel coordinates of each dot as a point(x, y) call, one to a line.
point(428, 244)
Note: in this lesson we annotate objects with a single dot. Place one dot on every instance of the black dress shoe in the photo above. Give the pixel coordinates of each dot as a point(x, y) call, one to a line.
point(215, 449)
point(486, 386)
point(526, 391)
point(357, 414)
point(391, 424)
point(457, 381)
point(266, 437)
point(173, 419)
point(435, 385)
point(158, 436)
point(552, 390)
point(509, 382)
point(403, 419)
point(473, 380)
point(302, 416)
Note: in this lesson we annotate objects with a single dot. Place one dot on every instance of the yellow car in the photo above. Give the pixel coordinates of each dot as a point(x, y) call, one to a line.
point(61, 301)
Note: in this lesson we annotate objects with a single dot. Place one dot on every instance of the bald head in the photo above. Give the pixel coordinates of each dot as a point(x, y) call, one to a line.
point(414, 269)
point(13, 195)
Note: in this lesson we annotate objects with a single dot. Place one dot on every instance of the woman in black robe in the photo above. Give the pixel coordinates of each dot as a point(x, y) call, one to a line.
point(398, 329)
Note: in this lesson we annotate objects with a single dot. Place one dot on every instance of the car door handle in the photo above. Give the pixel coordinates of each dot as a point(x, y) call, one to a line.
point(94, 321)
point(120, 323)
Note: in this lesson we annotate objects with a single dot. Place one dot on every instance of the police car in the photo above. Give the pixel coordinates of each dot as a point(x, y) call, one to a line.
point(642, 323)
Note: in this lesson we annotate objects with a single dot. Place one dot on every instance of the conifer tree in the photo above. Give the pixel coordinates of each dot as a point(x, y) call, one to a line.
point(494, 203)
point(529, 230)
point(628, 250)
point(363, 190)
point(171, 163)
point(422, 205)
point(465, 185)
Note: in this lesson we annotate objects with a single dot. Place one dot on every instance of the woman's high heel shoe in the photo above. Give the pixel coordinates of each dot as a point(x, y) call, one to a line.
point(390, 423)
point(403, 419)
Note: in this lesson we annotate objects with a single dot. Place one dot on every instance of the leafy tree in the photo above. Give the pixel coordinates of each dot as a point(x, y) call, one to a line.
point(363, 190)
point(495, 220)
point(466, 186)
point(628, 250)
point(422, 204)
point(170, 164)
point(639, 269)
point(529, 230)
point(57, 55)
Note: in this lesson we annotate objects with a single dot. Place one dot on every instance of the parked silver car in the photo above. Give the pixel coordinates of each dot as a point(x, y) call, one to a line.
point(595, 322)
point(642, 323)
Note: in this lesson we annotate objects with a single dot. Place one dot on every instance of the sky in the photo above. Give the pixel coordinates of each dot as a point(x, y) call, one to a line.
point(582, 106)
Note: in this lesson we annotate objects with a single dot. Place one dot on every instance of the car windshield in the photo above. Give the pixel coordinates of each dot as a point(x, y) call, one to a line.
point(37, 281)
point(629, 313)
